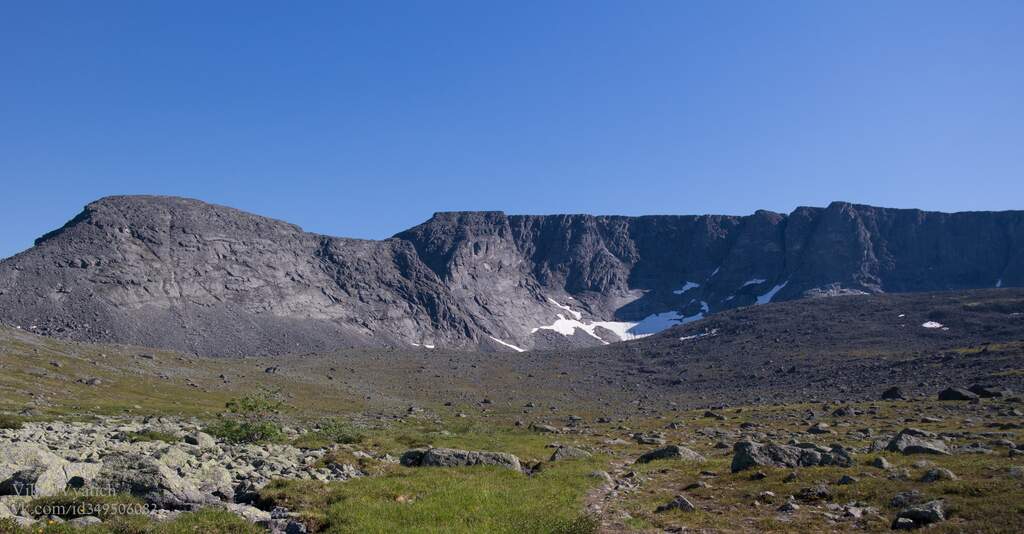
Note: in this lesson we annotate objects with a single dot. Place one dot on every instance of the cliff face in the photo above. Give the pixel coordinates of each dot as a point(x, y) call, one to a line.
point(179, 273)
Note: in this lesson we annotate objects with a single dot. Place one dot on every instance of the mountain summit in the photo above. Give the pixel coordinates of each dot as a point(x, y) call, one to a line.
point(187, 275)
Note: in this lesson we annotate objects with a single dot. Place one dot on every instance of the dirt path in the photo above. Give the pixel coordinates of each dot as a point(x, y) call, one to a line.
point(601, 501)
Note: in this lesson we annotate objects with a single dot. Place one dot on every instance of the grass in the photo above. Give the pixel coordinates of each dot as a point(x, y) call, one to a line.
point(206, 521)
point(429, 500)
point(984, 499)
point(330, 432)
point(10, 422)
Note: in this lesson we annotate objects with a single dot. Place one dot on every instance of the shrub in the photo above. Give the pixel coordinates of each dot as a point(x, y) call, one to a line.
point(245, 431)
point(247, 419)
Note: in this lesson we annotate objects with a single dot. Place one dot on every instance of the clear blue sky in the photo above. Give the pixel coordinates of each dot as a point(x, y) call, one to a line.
point(361, 119)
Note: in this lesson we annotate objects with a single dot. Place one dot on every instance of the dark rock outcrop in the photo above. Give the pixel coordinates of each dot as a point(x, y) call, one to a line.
point(915, 441)
point(747, 454)
point(225, 282)
point(671, 452)
point(440, 457)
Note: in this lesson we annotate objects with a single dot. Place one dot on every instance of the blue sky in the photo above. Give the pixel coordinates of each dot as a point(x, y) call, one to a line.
point(363, 118)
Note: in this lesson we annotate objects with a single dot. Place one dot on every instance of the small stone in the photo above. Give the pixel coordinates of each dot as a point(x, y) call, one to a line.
point(937, 474)
point(881, 463)
point(789, 507)
point(678, 503)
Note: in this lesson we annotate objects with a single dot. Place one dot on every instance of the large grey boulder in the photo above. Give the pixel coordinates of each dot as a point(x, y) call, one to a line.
point(566, 452)
point(31, 469)
point(921, 515)
point(915, 441)
point(147, 479)
point(670, 452)
point(442, 457)
point(956, 394)
point(747, 454)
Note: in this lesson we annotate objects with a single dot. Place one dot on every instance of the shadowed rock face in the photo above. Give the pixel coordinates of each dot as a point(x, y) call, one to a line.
point(183, 274)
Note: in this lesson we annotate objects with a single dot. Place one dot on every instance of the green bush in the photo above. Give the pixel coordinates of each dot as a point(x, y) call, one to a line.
point(263, 403)
point(247, 419)
point(245, 431)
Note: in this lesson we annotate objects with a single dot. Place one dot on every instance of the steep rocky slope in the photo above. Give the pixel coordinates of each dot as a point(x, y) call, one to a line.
point(183, 274)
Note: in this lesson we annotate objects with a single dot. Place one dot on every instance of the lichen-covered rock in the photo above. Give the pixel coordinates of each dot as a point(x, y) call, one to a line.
point(147, 479)
point(441, 457)
point(915, 441)
point(566, 452)
point(670, 452)
point(747, 454)
point(924, 514)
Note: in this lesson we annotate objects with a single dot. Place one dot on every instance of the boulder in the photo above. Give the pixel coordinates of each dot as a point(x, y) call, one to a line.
point(914, 441)
point(568, 453)
point(31, 469)
point(936, 474)
point(819, 492)
point(924, 514)
point(678, 503)
point(215, 480)
point(893, 393)
point(201, 440)
point(989, 392)
point(670, 452)
point(458, 458)
point(147, 479)
point(747, 454)
point(956, 394)
point(820, 428)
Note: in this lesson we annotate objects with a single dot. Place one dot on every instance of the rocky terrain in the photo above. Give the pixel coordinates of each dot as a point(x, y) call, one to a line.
point(102, 458)
point(952, 464)
point(223, 282)
point(858, 412)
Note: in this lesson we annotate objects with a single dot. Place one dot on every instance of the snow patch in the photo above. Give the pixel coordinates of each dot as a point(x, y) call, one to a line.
point(509, 345)
point(712, 333)
point(686, 287)
point(424, 345)
point(713, 273)
point(999, 283)
point(753, 281)
point(624, 330)
point(571, 311)
point(931, 324)
point(767, 297)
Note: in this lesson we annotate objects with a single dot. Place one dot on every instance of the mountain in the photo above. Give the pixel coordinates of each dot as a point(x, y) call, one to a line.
point(186, 275)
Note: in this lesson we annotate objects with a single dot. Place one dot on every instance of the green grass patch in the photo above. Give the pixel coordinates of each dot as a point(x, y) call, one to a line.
point(205, 521)
point(330, 432)
point(11, 422)
point(429, 500)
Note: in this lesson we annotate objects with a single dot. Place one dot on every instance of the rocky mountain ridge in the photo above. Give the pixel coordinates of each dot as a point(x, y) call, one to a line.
point(182, 274)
